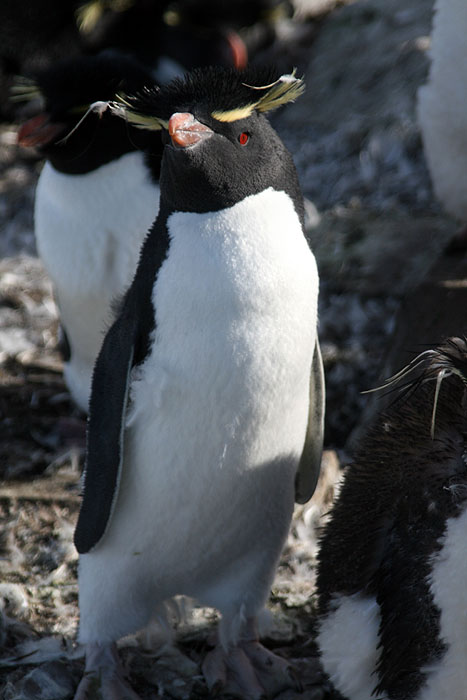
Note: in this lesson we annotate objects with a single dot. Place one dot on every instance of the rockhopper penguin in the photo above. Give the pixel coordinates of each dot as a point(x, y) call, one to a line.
point(96, 197)
point(206, 412)
point(392, 573)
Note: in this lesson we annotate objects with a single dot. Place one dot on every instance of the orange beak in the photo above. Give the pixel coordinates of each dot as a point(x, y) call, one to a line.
point(185, 130)
point(39, 131)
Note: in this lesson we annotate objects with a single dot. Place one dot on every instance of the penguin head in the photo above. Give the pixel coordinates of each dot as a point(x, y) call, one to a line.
point(220, 148)
point(61, 96)
point(448, 360)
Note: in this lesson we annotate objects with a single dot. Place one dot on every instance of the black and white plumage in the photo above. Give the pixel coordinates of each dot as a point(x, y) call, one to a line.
point(96, 197)
point(206, 412)
point(392, 567)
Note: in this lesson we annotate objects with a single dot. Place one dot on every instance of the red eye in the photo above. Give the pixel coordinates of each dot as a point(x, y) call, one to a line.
point(244, 138)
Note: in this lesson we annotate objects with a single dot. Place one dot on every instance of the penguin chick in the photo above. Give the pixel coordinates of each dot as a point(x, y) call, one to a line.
point(96, 198)
point(206, 412)
point(442, 107)
point(392, 568)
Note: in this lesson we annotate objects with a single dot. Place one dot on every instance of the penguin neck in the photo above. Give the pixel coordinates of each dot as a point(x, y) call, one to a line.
point(167, 207)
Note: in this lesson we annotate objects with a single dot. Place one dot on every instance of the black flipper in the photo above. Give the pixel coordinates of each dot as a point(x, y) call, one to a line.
point(106, 426)
point(126, 344)
point(310, 462)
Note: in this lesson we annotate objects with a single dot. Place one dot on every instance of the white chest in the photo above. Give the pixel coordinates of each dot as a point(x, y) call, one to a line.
point(93, 224)
point(219, 409)
point(236, 313)
point(89, 230)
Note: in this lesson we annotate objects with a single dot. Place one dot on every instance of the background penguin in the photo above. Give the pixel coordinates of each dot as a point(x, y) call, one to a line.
point(191, 33)
point(96, 198)
point(161, 33)
point(206, 411)
point(392, 567)
point(165, 35)
point(442, 107)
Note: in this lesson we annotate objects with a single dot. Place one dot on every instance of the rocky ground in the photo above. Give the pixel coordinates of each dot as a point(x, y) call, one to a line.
point(376, 230)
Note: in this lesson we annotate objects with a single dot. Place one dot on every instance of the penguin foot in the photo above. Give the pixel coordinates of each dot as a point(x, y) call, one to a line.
point(103, 677)
point(247, 670)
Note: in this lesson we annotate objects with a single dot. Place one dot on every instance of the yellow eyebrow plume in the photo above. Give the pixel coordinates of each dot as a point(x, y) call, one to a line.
point(285, 89)
point(233, 115)
point(123, 108)
point(24, 90)
point(262, 98)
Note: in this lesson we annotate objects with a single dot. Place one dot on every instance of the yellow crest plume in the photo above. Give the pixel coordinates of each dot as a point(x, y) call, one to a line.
point(224, 94)
point(285, 89)
point(122, 107)
point(89, 14)
point(24, 90)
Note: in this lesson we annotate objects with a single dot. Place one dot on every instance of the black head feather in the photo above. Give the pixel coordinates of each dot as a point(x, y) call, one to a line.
point(452, 356)
point(77, 82)
point(449, 358)
point(82, 140)
point(224, 94)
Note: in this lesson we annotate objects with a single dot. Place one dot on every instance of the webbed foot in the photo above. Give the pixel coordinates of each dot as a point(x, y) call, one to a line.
point(247, 669)
point(103, 677)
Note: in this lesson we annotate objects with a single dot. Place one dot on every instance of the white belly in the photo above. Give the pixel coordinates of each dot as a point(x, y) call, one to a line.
point(220, 406)
point(89, 229)
point(442, 110)
point(349, 645)
point(448, 677)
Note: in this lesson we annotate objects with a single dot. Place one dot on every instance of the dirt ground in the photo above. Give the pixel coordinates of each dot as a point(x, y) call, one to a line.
point(376, 230)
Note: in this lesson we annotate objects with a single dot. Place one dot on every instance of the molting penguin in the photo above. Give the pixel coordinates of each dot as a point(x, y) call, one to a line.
point(392, 567)
point(96, 198)
point(206, 411)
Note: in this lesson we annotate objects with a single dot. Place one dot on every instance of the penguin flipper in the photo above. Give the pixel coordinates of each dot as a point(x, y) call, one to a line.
point(106, 425)
point(310, 461)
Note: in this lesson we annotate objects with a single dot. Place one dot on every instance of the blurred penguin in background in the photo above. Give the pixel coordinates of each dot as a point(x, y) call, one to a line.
point(442, 107)
point(392, 572)
point(168, 37)
point(96, 197)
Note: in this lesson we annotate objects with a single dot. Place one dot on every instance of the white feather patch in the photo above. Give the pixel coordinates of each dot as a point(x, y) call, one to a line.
point(89, 230)
point(448, 677)
point(348, 640)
